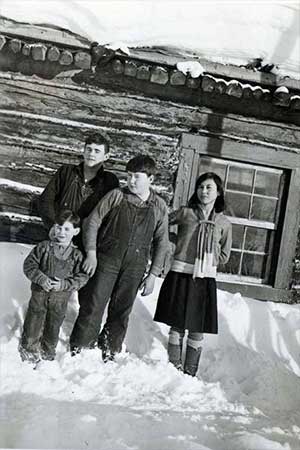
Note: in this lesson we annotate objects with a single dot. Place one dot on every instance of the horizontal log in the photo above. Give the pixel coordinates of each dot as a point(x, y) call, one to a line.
point(51, 130)
point(18, 200)
point(19, 197)
point(38, 174)
point(124, 142)
point(25, 171)
point(21, 228)
point(122, 111)
point(43, 33)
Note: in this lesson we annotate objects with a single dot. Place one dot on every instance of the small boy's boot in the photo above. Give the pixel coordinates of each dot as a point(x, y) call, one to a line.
point(174, 353)
point(192, 358)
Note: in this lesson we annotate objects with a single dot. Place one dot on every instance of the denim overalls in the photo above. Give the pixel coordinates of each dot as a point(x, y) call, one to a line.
point(123, 252)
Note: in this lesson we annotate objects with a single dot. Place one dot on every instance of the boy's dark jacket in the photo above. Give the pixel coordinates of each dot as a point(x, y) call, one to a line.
point(44, 261)
point(67, 190)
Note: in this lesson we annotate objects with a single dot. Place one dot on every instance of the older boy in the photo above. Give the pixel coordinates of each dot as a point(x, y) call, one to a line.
point(79, 187)
point(118, 235)
point(55, 270)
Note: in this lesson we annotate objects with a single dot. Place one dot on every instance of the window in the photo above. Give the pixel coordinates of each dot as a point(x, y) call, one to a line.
point(262, 190)
point(253, 195)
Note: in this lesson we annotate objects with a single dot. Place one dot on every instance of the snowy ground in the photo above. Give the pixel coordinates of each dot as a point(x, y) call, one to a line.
point(246, 395)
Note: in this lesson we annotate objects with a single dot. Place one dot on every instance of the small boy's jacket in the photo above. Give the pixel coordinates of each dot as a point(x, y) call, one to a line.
point(47, 261)
point(101, 224)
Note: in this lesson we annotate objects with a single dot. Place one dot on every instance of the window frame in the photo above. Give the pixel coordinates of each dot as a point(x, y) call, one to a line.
point(193, 146)
point(248, 223)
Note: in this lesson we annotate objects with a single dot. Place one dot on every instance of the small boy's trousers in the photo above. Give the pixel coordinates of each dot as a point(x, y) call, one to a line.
point(45, 314)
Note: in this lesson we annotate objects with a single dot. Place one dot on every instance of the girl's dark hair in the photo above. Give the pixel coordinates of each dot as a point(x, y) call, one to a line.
point(66, 215)
point(142, 163)
point(220, 200)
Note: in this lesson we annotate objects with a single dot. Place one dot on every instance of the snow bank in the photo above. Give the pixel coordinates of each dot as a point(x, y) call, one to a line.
point(246, 395)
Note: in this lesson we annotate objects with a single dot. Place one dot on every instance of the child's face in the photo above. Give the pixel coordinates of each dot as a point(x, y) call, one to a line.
point(207, 192)
point(94, 154)
point(139, 182)
point(63, 234)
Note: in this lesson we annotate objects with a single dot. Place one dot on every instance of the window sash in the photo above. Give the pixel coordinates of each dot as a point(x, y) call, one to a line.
point(265, 264)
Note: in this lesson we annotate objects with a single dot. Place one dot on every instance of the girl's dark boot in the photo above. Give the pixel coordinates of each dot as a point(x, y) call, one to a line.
point(174, 353)
point(192, 358)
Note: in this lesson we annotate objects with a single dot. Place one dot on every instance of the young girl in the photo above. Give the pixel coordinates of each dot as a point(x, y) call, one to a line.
point(188, 296)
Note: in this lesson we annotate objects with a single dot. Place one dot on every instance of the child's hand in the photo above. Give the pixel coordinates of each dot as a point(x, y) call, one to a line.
point(56, 284)
point(147, 284)
point(90, 263)
point(47, 285)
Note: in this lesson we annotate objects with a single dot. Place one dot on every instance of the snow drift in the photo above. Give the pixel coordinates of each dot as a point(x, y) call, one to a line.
point(246, 395)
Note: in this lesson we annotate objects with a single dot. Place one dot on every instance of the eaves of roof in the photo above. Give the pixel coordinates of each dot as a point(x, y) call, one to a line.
point(66, 50)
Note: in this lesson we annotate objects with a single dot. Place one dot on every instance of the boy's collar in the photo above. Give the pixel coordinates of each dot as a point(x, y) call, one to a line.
point(150, 199)
point(54, 242)
point(98, 174)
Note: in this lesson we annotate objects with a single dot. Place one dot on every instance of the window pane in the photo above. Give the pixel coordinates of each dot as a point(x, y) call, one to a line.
point(263, 209)
point(257, 239)
point(253, 265)
point(237, 236)
point(240, 179)
point(232, 266)
point(267, 183)
point(237, 205)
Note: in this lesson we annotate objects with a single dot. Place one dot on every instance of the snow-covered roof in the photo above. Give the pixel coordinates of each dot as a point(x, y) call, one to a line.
point(228, 32)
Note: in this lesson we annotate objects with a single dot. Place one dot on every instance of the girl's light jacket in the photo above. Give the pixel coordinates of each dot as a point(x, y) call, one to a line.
point(214, 236)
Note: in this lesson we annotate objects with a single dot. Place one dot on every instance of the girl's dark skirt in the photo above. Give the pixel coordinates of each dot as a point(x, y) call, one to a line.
point(187, 303)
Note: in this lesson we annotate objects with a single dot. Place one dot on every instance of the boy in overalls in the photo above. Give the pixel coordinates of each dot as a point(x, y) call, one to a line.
point(118, 236)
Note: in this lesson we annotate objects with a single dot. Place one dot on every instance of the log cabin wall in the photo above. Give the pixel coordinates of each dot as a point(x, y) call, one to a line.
point(54, 92)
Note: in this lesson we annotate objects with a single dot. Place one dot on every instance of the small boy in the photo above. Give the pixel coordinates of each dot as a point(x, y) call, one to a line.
point(55, 270)
point(118, 236)
point(79, 187)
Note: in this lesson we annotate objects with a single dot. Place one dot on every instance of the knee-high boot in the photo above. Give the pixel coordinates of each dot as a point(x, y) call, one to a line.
point(192, 359)
point(174, 353)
